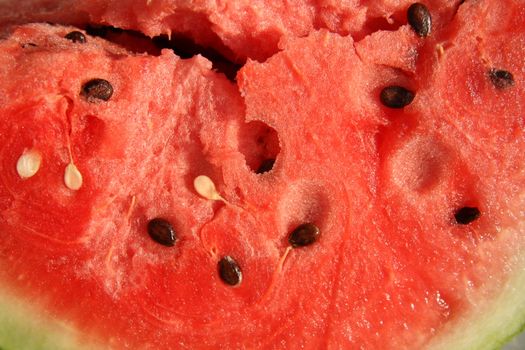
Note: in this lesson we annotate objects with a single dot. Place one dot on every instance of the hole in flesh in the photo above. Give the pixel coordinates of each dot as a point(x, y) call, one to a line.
point(259, 143)
point(183, 46)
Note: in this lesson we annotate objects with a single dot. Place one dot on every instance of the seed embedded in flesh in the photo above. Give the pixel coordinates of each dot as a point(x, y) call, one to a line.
point(419, 19)
point(97, 89)
point(304, 235)
point(161, 231)
point(205, 187)
point(28, 164)
point(72, 177)
point(501, 79)
point(229, 271)
point(396, 96)
point(265, 166)
point(466, 215)
point(76, 37)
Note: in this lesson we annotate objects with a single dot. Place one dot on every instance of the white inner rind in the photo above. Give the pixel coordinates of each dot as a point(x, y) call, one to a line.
point(490, 325)
point(26, 327)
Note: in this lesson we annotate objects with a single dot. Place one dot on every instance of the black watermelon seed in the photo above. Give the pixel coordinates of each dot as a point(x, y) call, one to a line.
point(419, 19)
point(97, 89)
point(229, 271)
point(28, 45)
point(266, 166)
point(396, 96)
point(76, 37)
point(303, 235)
point(501, 78)
point(161, 231)
point(466, 215)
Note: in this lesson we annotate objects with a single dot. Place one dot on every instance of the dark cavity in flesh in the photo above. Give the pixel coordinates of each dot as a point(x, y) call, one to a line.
point(265, 166)
point(501, 79)
point(466, 215)
point(183, 46)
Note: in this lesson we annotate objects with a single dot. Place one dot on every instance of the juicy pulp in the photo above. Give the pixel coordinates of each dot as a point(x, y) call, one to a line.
point(391, 268)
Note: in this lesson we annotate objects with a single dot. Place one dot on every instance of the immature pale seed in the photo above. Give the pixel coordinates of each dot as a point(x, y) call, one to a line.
point(303, 235)
point(162, 232)
point(466, 215)
point(28, 163)
point(206, 188)
point(229, 271)
point(396, 96)
point(76, 37)
point(97, 89)
point(72, 177)
point(501, 79)
point(419, 19)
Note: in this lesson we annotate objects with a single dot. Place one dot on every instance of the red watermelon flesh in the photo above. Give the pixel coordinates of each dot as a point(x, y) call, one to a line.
point(239, 29)
point(391, 268)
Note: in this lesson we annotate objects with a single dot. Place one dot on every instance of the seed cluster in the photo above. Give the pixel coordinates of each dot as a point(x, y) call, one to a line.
point(395, 96)
point(162, 231)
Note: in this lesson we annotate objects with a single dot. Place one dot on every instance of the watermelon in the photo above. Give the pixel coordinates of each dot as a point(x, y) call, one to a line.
point(359, 184)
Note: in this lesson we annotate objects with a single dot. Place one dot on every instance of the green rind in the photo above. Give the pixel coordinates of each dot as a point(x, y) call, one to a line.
point(490, 325)
point(493, 326)
point(24, 327)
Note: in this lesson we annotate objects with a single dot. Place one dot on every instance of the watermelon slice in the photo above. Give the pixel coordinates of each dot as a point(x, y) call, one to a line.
point(359, 191)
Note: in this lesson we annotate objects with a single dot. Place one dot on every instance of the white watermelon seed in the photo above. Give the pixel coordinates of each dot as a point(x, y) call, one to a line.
point(28, 163)
point(72, 177)
point(206, 188)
